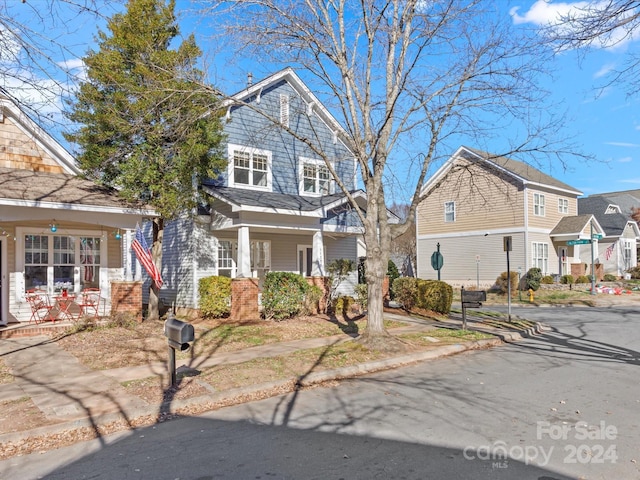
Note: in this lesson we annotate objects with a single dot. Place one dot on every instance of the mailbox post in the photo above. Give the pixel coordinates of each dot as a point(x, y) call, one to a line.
point(471, 299)
point(179, 334)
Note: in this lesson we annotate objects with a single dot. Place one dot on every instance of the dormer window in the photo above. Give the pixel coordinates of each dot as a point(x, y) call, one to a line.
point(315, 177)
point(249, 167)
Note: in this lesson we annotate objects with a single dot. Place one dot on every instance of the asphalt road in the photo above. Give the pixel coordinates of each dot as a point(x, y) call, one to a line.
point(561, 405)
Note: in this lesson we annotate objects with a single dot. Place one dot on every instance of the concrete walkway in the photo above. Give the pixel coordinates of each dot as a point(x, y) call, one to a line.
point(75, 396)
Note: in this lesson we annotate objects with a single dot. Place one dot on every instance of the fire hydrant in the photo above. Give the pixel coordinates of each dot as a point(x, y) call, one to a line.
point(531, 295)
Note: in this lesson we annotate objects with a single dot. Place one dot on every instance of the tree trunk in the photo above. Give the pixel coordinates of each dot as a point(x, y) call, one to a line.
point(153, 312)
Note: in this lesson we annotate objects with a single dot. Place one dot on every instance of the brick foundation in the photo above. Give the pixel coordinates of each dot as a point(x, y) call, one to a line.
point(126, 297)
point(244, 299)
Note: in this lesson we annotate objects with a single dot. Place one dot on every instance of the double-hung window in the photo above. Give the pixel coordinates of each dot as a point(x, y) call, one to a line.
point(540, 256)
point(538, 204)
point(249, 167)
point(626, 254)
point(228, 256)
point(450, 212)
point(315, 177)
point(563, 205)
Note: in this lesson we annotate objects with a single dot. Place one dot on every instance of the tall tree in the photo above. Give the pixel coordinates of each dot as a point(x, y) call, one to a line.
point(145, 122)
point(409, 78)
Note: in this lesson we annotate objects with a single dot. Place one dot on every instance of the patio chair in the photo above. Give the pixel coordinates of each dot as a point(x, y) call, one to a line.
point(41, 308)
point(90, 301)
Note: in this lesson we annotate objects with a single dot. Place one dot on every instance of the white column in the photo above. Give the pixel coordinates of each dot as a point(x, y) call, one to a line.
point(244, 253)
point(128, 264)
point(317, 263)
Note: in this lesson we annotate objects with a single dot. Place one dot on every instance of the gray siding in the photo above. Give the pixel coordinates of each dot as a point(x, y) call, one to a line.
point(249, 128)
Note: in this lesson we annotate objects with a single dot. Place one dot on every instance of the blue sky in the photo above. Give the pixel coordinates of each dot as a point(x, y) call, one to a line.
point(604, 122)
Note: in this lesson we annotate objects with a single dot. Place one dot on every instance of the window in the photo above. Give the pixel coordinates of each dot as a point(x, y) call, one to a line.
point(51, 262)
point(563, 205)
point(316, 178)
point(626, 254)
point(284, 110)
point(228, 256)
point(450, 211)
point(249, 167)
point(538, 204)
point(540, 256)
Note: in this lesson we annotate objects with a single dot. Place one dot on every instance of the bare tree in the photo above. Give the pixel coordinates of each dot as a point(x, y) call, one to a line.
point(40, 42)
point(409, 79)
point(602, 24)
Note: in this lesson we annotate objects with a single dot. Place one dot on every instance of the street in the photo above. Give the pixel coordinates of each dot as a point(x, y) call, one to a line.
point(560, 405)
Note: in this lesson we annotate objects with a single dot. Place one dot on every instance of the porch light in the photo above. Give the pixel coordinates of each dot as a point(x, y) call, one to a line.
point(53, 227)
point(117, 234)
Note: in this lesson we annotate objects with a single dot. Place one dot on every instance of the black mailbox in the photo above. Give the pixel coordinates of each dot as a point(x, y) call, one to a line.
point(178, 333)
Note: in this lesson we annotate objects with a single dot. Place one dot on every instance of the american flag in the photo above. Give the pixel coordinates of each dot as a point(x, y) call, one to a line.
point(609, 251)
point(143, 254)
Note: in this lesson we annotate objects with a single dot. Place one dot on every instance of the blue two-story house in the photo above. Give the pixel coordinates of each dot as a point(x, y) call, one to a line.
point(277, 207)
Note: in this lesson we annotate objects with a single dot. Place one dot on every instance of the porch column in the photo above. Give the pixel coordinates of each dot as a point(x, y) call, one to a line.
point(244, 253)
point(317, 263)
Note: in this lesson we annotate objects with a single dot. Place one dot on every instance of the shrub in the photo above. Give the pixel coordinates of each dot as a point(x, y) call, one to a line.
point(547, 280)
point(362, 295)
point(502, 285)
point(532, 279)
point(583, 279)
point(343, 304)
point(434, 295)
point(284, 294)
point(609, 278)
point(392, 273)
point(567, 279)
point(215, 296)
point(405, 291)
point(634, 272)
point(312, 300)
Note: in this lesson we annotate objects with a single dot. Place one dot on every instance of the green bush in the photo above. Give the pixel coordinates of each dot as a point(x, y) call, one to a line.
point(583, 279)
point(343, 304)
point(215, 296)
point(503, 286)
point(567, 279)
point(547, 280)
point(434, 295)
point(284, 295)
point(634, 272)
point(362, 295)
point(532, 279)
point(609, 278)
point(392, 273)
point(405, 291)
point(312, 300)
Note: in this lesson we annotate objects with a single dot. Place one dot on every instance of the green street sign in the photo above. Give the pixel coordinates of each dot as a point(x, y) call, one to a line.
point(596, 236)
point(437, 260)
point(578, 242)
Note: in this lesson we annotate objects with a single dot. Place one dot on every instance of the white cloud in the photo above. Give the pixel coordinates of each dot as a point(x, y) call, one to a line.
point(626, 159)
point(546, 13)
point(631, 180)
point(623, 144)
point(604, 70)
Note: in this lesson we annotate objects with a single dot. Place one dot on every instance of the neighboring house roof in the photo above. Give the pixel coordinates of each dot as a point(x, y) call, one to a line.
point(519, 171)
point(313, 104)
point(626, 200)
point(613, 224)
point(523, 171)
point(574, 225)
point(256, 200)
point(53, 190)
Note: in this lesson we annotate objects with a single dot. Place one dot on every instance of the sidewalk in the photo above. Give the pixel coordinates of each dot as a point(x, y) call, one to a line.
point(72, 397)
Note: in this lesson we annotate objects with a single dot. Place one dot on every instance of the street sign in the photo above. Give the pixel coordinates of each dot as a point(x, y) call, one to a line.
point(507, 243)
point(437, 260)
point(596, 236)
point(578, 242)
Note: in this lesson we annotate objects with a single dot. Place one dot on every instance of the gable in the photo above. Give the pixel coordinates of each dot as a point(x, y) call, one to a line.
point(26, 146)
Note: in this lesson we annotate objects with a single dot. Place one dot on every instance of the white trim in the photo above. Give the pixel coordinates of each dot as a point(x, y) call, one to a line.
point(302, 161)
point(76, 207)
point(231, 148)
point(4, 289)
